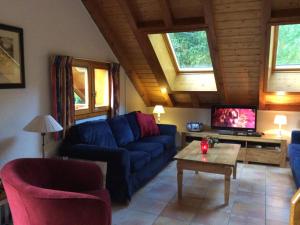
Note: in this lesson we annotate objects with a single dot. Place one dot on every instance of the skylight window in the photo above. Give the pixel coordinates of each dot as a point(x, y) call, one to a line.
point(288, 47)
point(190, 51)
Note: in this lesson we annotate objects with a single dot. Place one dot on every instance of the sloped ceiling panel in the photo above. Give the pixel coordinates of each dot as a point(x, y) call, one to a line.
point(239, 42)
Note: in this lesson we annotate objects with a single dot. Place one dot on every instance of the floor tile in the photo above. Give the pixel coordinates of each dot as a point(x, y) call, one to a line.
point(259, 196)
point(274, 222)
point(278, 201)
point(148, 205)
point(132, 217)
point(239, 220)
point(248, 210)
point(168, 221)
point(211, 217)
point(179, 211)
point(277, 214)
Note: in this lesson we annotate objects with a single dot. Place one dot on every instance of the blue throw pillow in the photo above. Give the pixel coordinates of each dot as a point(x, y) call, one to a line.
point(133, 123)
point(121, 130)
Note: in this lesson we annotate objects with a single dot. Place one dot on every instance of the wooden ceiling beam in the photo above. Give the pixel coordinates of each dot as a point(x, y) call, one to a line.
point(212, 42)
point(166, 12)
point(285, 16)
point(97, 15)
point(195, 100)
point(147, 49)
point(179, 25)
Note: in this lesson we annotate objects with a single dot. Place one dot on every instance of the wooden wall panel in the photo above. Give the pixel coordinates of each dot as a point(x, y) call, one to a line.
point(238, 29)
point(147, 10)
point(239, 43)
point(285, 4)
point(182, 9)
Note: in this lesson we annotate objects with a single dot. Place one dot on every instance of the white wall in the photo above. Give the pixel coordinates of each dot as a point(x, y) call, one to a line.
point(265, 119)
point(50, 27)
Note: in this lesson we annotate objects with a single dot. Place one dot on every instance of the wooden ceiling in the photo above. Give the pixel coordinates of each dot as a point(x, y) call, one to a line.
point(237, 39)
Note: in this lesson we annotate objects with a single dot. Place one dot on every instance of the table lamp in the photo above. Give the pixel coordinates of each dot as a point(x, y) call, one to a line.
point(159, 109)
point(280, 120)
point(43, 124)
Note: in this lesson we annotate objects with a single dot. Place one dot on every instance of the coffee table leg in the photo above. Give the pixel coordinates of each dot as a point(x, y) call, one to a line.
point(228, 172)
point(234, 171)
point(179, 183)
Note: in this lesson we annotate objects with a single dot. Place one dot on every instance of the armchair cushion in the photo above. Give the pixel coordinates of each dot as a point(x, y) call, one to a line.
point(166, 140)
point(153, 149)
point(121, 130)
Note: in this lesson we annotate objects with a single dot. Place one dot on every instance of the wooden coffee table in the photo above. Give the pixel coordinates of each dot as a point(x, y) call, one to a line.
point(220, 160)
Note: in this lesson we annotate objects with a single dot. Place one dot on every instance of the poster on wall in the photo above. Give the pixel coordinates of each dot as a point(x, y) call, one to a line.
point(12, 74)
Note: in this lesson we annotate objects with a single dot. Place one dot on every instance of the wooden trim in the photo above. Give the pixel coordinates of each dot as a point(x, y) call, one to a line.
point(90, 115)
point(179, 25)
point(97, 14)
point(285, 16)
point(174, 61)
point(195, 100)
point(166, 12)
point(214, 51)
point(266, 30)
point(147, 48)
point(275, 45)
point(295, 209)
point(92, 110)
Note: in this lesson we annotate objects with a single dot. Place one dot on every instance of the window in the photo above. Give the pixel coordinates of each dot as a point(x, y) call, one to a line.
point(190, 51)
point(286, 47)
point(91, 88)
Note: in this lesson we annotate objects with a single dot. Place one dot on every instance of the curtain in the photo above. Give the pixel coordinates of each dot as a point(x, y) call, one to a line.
point(62, 93)
point(114, 78)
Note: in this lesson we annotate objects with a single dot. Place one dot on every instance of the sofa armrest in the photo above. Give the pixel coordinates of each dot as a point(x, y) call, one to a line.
point(118, 167)
point(295, 137)
point(167, 129)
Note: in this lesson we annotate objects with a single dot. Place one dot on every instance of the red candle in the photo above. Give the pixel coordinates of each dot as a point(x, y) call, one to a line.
point(204, 146)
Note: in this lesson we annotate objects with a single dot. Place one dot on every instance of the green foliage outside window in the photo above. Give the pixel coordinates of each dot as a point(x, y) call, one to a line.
point(288, 48)
point(191, 50)
point(77, 99)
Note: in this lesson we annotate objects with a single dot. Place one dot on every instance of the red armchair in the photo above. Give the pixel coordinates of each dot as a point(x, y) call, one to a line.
point(56, 192)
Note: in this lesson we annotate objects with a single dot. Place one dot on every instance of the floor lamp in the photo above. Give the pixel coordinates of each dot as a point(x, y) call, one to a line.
point(43, 124)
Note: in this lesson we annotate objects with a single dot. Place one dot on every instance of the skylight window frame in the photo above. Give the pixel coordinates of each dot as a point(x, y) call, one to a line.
point(173, 57)
point(274, 46)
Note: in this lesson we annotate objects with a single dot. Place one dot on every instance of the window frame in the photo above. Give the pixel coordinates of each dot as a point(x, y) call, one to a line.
point(174, 59)
point(92, 111)
point(274, 46)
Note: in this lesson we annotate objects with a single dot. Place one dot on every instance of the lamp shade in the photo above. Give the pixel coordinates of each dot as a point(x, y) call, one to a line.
point(280, 120)
point(159, 109)
point(43, 124)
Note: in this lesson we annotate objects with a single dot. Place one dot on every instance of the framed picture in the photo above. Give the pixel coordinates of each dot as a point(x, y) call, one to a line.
point(12, 73)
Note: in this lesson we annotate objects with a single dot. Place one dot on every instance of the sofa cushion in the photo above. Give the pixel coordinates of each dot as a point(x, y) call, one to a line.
point(147, 124)
point(166, 140)
point(293, 152)
point(153, 149)
point(138, 159)
point(134, 125)
point(121, 130)
point(95, 132)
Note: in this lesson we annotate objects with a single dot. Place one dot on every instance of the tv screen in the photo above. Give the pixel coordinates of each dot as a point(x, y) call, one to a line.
point(233, 117)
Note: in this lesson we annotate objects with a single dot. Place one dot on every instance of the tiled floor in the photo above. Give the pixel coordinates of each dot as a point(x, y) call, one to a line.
point(259, 196)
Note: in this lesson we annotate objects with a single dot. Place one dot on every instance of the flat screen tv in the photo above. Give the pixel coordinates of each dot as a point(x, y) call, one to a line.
point(233, 117)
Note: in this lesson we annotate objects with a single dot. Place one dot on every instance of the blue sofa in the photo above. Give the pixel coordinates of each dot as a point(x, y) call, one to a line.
point(294, 156)
point(131, 160)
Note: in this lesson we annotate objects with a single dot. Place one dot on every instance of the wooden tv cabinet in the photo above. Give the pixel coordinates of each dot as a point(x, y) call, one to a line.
point(267, 149)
